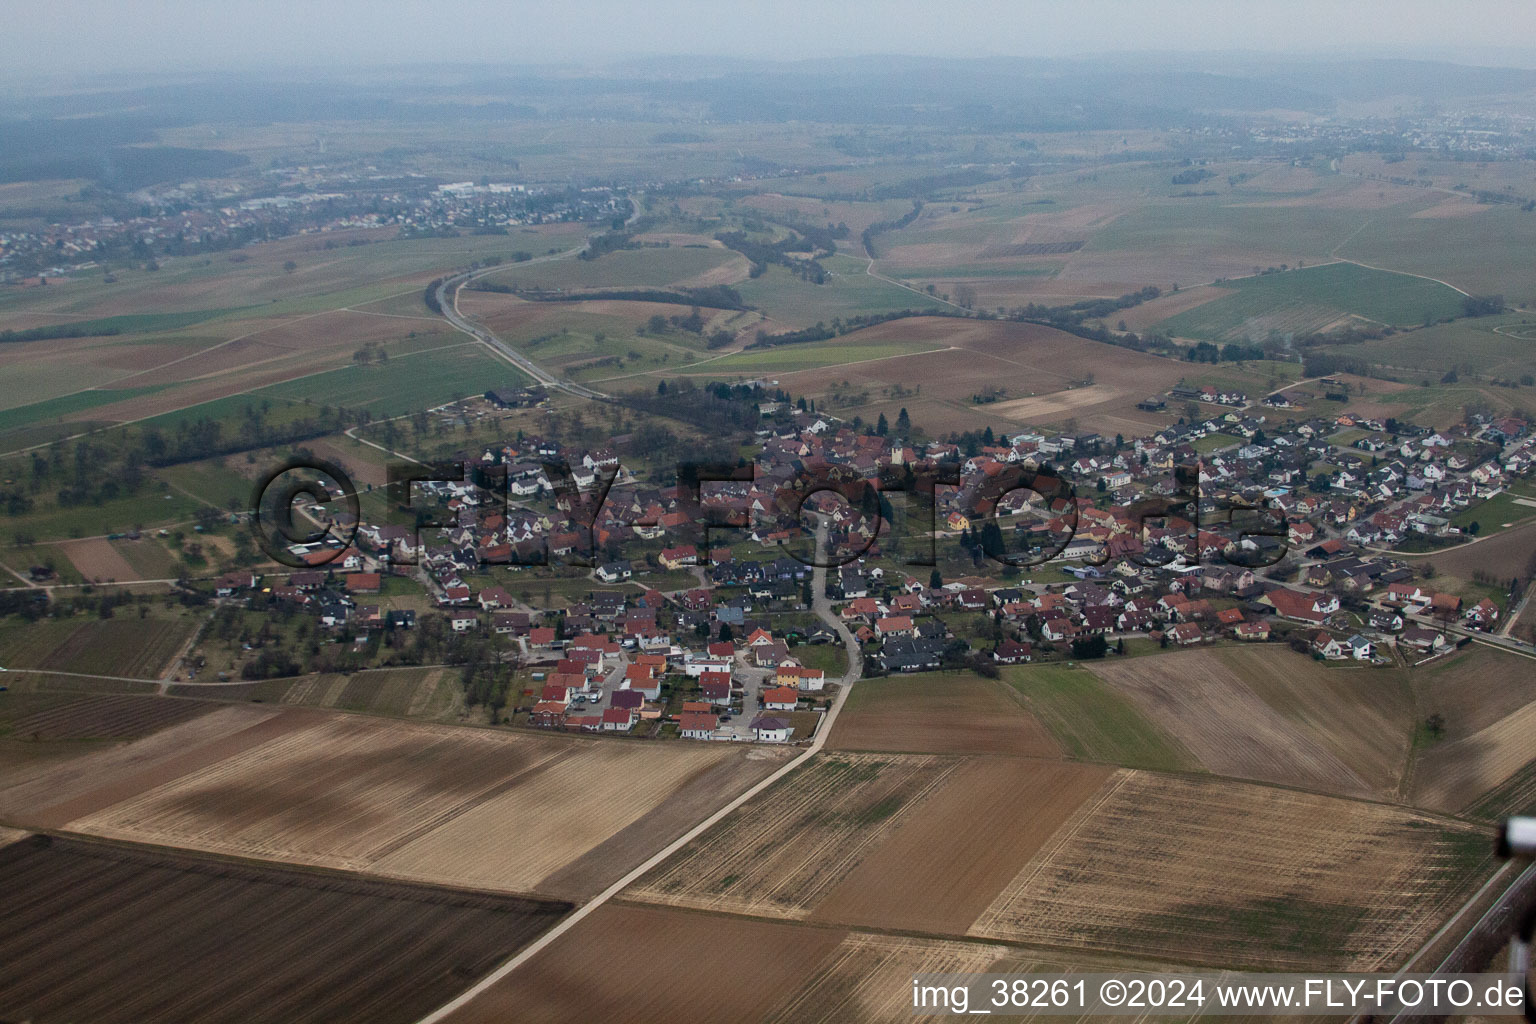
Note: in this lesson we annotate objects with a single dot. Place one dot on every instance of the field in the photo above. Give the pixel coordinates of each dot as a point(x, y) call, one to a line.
point(788, 358)
point(1092, 721)
point(404, 384)
point(1509, 551)
point(1486, 346)
point(1276, 716)
point(1452, 775)
point(848, 291)
point(1235, 874)
point(98, 561)
point(781, 856)
point(673, 266)
point(1474, 688)
point(125, 645)
point(93, 932)
point(957, 851)
point(485, 809)
point(635, 965)
point(1303, 301)
point(347, 793)
point(425, 693)
point(524, 835)
point(1047, 377)
point(779, 972)
point(938, 713)
point(1480, 253)
point(117, 717)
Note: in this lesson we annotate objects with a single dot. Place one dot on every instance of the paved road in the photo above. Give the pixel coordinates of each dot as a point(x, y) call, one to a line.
point(448, 301)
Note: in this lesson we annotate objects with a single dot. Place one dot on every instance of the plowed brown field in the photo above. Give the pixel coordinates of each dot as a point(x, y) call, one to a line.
point(940, 713)
point(630, 964)
point(952, 856)
point(89, 932)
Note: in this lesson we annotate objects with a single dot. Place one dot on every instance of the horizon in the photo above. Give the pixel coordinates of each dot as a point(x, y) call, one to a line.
point(88, 37)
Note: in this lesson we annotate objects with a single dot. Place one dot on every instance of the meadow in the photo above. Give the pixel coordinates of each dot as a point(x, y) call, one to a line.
point(404, 384)
point(1307, 300)
point(849, 291)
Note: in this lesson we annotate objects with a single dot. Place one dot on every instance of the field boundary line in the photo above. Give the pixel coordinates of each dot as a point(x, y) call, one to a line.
point(1406, 273)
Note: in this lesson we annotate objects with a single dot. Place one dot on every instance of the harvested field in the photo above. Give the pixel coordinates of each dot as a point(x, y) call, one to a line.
point(98, 561)
point(1493, 555)
point(1033, 364)
point(117, 717)
point(1046, 408)
point(93, 932)
point(51, 797)
point(525, 833)
point(482, 808)
point(1332, 730)
point(1231, 873)
point(939, 713)
point(782, 853)
point(630, 964)
point(1450, 776)
point(953, 855)
point(1516, 795)
point(869, 978)
point(337, 792)
point(690, 803)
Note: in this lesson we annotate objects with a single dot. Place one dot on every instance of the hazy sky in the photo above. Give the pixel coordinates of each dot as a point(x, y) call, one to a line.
point(182, 35)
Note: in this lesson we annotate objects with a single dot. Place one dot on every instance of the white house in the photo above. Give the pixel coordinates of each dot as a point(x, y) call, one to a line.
point(771, 730)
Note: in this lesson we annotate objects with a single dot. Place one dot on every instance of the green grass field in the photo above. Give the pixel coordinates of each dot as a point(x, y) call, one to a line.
point(848, 291)
point(1495, 514)
point(404, 384)
point(324, 278)
point(25, 416)
point(1092, 722)
point(1495, 346)
point(48, 521)
point(810, 356)
point(1302, 301)
point(963, 270)
point(1486, 252)
point(626, 268)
